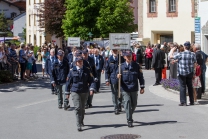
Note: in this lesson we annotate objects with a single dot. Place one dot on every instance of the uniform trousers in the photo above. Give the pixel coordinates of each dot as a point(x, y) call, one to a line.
point(79, 104)
point(89, 99)
point(130, 103)
point(13, 69)
point(59, 89)
point(158, 75)
point(116, 101)
point(99, 79)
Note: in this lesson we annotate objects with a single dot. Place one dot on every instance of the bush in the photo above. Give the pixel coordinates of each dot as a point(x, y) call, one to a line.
point(35, 50)
point(171, 84)
point(5, 76)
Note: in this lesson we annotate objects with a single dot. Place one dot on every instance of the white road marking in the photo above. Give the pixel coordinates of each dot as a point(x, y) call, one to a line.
point(34, 103)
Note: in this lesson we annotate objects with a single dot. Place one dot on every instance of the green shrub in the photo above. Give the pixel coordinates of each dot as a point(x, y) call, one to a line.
point(5, 76)
point(35, 50)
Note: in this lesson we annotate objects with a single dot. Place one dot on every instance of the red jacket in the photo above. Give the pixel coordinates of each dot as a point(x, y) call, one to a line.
point(134, 57)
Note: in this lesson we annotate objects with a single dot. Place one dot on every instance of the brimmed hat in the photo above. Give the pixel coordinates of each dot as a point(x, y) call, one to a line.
point(78, 59)
point(60, 53)
point(85, 51)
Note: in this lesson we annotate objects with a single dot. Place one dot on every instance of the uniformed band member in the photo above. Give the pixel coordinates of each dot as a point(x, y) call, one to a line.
point(130, 73)
point(90, 64)
point(111, 79)
point(59, 76)
point(49, 65)
point(79, 80)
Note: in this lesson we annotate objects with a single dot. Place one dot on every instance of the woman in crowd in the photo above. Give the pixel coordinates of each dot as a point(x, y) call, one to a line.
point(196, 82)
point(2, 54)
point(148, 56)
point(22, 61)
point(173, 65)
point(165, 65)
point(44, 55)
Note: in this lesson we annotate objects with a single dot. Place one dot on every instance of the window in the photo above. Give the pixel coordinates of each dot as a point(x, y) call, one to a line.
point(29, 2)
point(172, 5)
point(29, 20)
point(34, 20)
point(13, 14)
point(152, 6)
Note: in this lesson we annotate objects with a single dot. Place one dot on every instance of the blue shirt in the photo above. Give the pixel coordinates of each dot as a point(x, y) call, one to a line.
point(21, 54)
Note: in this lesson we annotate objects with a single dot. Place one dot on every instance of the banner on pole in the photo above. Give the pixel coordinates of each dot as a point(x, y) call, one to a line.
point(73, 42)
point(120, 40)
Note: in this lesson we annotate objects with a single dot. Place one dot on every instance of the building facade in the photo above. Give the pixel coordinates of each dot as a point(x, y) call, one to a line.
point(162, 21)
point(10, 10)
point(203, 14)
point(34, 34)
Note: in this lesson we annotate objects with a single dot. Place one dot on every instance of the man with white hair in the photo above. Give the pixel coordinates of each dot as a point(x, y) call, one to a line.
point(201, 58)
point(49, 65)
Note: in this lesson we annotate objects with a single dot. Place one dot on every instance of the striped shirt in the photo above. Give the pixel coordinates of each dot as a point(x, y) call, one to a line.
point(186, 62)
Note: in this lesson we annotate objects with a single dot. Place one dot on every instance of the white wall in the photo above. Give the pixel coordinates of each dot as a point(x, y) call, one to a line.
point(8, 9)
point(181, 25)
point(33, 29)
point(203, 13)
point(19, 24)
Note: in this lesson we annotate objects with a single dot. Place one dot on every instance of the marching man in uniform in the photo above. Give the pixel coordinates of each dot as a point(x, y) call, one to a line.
point(79, 81)
point(129, 75)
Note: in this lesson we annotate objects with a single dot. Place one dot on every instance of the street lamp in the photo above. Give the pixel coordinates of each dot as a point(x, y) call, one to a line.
point(90, 35)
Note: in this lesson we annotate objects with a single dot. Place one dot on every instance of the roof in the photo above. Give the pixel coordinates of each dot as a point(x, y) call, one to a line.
point(21, 4)
point(20, 8)
point(18, 15)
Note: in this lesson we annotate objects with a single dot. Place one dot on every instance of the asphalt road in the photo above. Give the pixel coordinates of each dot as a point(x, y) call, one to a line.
point(29, 111)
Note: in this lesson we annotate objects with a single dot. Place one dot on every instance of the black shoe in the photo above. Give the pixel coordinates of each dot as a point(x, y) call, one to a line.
point(66, 106)
point(52, 93)
point(156, 84)
point(90, 105)
point(182, 104)
point(191, 103)
point(79, 129)
point(116, 112)
point(119, 108)
point(82, 124)
point(60, 106)
point(86, 106)
point(130, 124)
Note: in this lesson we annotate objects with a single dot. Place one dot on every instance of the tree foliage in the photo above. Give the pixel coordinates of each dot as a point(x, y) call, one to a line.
point(115, 16)
point(50, 15)
point(80, 18)
point(3, 23)
point(100, 17)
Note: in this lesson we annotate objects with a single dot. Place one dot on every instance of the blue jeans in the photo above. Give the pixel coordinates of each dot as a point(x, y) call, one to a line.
point(186, 81)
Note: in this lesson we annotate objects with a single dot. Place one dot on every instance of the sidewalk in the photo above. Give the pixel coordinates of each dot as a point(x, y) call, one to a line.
point(174, 95)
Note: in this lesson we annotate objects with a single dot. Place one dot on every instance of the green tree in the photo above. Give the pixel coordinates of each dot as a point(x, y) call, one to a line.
point(24, 33)
point(3, 23)
point(80, 18)
point(115, 16)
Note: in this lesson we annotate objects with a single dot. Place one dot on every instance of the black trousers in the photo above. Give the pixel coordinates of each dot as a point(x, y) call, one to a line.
point(148, 62)
point(158, 74)
point(23, 66)
point(186, 81)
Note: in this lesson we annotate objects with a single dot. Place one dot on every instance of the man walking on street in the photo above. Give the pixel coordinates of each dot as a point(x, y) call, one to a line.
point(130, 73)
point(111, 79)
point(99, 63)
point(186, 65)
point(59, 76)
point(49, 66)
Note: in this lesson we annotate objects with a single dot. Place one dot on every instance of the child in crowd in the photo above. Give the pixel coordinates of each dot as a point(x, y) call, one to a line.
point(196, 82)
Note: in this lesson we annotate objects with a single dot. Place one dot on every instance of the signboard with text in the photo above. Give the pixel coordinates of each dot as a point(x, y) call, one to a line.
point(198, 30)
point(73, 42)
point(120, 40)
